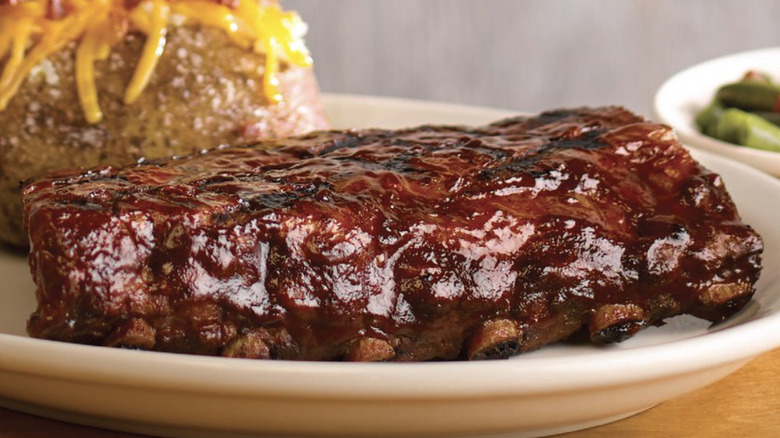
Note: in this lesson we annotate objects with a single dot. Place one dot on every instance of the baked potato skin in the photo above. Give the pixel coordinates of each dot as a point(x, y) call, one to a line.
point(205, 91)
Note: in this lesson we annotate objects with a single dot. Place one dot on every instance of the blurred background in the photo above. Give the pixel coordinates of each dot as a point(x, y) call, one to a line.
point(525, 55)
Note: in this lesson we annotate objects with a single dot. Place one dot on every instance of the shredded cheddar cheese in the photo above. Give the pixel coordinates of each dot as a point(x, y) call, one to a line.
point(28, 35)
point(155, 43)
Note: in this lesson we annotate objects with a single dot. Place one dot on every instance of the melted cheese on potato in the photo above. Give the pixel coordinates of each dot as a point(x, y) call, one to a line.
point(29, 34)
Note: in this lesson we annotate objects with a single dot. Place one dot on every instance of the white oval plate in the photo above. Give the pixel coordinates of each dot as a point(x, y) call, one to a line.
point(559, 388)
point(685, 94)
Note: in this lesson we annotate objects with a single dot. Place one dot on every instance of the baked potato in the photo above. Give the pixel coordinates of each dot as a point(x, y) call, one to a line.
point(207, 87)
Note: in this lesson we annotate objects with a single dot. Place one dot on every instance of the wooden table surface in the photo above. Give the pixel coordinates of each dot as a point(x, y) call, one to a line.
point(744, 404)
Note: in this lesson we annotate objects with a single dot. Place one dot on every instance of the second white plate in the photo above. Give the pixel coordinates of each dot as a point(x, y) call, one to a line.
point(681, 97)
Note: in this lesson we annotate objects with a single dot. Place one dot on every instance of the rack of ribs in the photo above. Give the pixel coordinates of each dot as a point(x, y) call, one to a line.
point(434, 242)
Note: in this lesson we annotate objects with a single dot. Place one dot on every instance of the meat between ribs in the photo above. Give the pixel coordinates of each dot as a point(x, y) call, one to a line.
point(433, 242)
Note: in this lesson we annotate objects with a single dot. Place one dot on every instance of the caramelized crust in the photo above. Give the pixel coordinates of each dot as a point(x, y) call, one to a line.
point(427, 243)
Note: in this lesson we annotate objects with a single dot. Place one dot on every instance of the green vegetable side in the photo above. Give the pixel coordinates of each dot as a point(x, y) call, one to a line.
point(746, 112)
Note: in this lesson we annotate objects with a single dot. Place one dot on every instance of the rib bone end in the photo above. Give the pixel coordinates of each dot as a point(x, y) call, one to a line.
point(371, 350)
point(497, 339)
point(616, 322)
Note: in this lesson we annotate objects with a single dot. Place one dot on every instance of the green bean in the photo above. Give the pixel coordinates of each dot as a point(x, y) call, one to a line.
point(740, 127)
point(750, 95)
point(769, 116)
point(707, 119)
